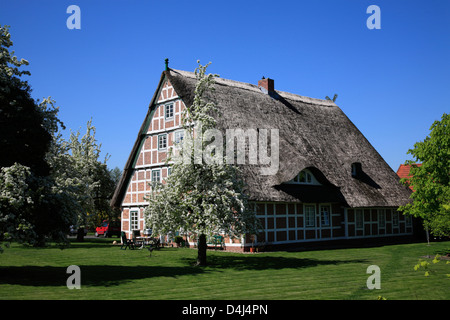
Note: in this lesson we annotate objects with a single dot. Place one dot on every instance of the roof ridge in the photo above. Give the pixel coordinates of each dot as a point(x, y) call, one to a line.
point(253, 87)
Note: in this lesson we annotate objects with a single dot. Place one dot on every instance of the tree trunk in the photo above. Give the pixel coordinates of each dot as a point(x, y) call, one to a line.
point(201, 255)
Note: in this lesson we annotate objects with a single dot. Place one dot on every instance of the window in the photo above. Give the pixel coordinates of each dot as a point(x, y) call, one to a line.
point(134, 220)
point(310, 215)
point(353, 169)
point(156, 176)
point(356, 169)
point(168, 111)
point(359, 219)
point(325, 216)
point(395, 219)
point(381, 218)
point(408, 220)
point(162, 141)
point(169, 171)
point(304, 177)
point(178, 136)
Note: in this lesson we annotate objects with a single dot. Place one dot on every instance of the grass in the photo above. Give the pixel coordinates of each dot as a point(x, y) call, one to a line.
point(110, 273)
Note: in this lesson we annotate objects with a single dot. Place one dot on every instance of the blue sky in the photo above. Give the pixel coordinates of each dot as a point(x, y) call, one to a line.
point(392, 82)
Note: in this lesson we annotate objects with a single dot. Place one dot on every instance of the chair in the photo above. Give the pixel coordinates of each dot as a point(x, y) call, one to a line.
point(127, 243)
point(137, 239)
point(218, 241)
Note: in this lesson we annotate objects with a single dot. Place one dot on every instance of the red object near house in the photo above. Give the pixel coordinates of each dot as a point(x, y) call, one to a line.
point(403, 171)
point(108, 229)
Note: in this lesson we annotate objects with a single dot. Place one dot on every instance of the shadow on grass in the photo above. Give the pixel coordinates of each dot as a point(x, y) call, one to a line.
point(106, 275)
point(88, 243)
point(263, 262)
point(97, 275)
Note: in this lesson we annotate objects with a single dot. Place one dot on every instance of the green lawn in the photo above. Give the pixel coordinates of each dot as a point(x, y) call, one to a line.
point(110, 273)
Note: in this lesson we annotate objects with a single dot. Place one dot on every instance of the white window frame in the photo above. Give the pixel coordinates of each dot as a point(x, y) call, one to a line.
point(162, 141)
point(309, 178)
point(169, 111)
point(134, 220)
point(325, 222)
point(178, 136)
point(308, 214)
point(158, 171)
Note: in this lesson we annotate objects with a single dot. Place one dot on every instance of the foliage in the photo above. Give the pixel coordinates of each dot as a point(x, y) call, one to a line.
point(431, 180)
point(200, 197)
point(23, 136)
point(425, 265)
point(178, 240)
point(30, 206)
point(46, 183)
point(81, 175)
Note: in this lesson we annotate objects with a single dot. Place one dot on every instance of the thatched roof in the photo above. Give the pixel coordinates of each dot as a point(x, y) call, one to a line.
point(313, 134)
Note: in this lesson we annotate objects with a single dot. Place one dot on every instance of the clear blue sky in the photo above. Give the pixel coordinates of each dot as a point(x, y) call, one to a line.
point(392, 82)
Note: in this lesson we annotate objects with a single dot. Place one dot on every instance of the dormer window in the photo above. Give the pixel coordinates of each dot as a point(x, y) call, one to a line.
point(356, 169)
point(305, 177)
point(353, 169)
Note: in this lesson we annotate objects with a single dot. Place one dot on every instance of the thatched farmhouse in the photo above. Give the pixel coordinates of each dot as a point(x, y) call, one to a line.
point(330, 184)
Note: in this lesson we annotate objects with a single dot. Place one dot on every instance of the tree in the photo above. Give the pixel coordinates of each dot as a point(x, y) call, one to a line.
point(201, 195)
point(30, 207)
point(46, 183)
point(91, 176)
point(23, 138)
point(431, 180)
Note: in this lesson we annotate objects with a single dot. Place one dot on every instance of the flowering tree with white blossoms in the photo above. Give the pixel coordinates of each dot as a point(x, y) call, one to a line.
point(46, 183)
point(203, 194)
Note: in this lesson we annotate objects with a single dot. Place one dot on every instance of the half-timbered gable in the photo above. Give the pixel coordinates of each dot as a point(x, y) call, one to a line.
point(158, 134)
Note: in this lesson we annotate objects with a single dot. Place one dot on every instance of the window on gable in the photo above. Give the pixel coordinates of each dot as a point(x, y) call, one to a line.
point(178, 136)
point(156, 176)
point(162, 141)
point(168, 111)
point(134, 220)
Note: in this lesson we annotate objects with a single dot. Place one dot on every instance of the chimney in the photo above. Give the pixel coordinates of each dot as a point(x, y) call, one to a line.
point(166, 61)
point(266, 85)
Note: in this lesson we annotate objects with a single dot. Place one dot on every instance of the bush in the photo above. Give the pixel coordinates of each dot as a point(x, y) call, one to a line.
point(179, 240)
